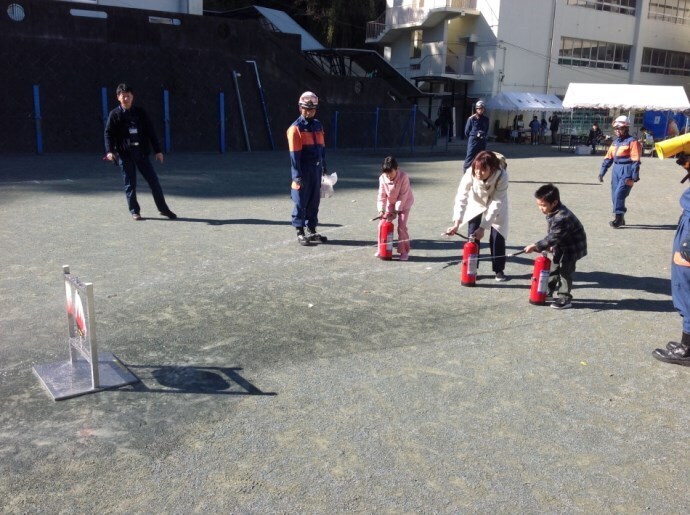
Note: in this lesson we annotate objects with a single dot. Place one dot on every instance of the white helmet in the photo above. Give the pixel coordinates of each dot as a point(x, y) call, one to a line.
point(621, 121)
point(309, 100)
point(480, 103)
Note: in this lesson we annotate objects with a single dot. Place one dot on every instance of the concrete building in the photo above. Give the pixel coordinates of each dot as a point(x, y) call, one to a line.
point(169, 6)
point(462, 50)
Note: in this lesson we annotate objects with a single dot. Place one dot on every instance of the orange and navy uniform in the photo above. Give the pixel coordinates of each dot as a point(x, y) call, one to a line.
point(624, 154)
point(306, 142)
point(625, 151)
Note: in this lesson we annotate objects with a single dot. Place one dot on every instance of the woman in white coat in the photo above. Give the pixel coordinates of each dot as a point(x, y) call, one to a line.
point(482, 203)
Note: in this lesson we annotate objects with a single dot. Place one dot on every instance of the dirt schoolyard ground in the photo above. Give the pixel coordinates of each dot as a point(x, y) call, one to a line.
point(283, 379)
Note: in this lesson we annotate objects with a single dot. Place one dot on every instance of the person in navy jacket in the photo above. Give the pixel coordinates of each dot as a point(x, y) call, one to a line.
point(476, 132)
point(306, 142)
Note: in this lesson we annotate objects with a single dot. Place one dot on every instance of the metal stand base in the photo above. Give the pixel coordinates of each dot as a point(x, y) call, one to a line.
point(67, 379)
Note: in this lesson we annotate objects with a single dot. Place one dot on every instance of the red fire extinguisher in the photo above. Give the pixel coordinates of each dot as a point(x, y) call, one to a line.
point(540, 280)
point(468, 270)
point(386, 240)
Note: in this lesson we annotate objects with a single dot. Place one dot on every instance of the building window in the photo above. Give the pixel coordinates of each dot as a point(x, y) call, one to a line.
point(665, 62)
point(612, 6)
point(416, 47)
point(674, 11)
point(594, 54)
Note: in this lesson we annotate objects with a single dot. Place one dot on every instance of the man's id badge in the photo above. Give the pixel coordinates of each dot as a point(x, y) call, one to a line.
point(133, 130)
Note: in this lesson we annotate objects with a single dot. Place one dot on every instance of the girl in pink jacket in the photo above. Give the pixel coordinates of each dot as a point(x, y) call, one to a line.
point(395, 199)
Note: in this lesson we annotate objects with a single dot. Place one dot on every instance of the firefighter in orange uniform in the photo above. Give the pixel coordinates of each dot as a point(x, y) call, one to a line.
point(308, 164)
point(624, 154)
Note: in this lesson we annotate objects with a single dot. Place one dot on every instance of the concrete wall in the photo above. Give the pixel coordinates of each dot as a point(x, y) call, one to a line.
point(170, 6)
point(72, 58)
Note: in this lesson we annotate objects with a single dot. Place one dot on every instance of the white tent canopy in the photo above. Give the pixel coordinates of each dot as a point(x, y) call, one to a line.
point(522, 101)
point(626, 97)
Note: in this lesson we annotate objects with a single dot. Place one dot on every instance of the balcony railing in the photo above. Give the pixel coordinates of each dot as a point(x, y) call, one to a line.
point(408, 14)
point(454, 65)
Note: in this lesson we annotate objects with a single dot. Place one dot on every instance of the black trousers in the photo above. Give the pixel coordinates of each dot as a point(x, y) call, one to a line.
point(497, 244)
point(128, 166)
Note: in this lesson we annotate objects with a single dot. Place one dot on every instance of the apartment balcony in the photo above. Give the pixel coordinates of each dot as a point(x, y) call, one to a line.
point(456, 67)
point(409, 15)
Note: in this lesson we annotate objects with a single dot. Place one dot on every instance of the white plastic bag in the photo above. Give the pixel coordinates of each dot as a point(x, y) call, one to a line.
point(327, 183)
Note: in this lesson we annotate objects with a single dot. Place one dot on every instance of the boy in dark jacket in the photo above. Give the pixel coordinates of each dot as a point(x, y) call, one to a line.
point(566, 239)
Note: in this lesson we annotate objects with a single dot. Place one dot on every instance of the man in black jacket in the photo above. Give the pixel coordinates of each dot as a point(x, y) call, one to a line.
point(128, 133)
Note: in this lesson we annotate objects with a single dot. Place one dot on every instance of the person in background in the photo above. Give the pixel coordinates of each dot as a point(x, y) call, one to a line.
point(595, 137)
point(624, 154)
point(534, 127)
point(476, 132)
point(129, 134)
point(482, 203)
point(555, 122)
point(395, 200)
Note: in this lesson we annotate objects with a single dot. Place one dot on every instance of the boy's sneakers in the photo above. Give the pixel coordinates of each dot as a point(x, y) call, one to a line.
point(500, 277)
point(562, 303)
point(301, 237)
point(404, 257)
point(314, 236)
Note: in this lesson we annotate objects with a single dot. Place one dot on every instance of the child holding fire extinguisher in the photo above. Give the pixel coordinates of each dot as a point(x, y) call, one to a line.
point(395, 200)
point(482, 203)
point(567, 240)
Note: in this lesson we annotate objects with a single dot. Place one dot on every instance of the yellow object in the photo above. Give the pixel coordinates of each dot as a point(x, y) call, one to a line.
point(672, 146)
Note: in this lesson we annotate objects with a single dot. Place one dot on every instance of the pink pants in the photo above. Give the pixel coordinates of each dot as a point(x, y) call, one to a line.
point(403, 235)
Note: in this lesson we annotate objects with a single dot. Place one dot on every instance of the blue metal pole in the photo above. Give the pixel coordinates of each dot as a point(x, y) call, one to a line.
point(104, 105)
point(221, 114)
point(166, 118)
point(414, 124)
point(37, 118)
point(241, 107)
point(263, 104)
point(335, 131)
point(376, 128)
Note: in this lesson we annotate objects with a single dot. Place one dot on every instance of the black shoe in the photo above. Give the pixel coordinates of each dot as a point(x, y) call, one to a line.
point(672, 345)
point(169, 214)
point(617, 222)
point(562, 303)
point(678, 356)
point(314, 236)
point(301, 238)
